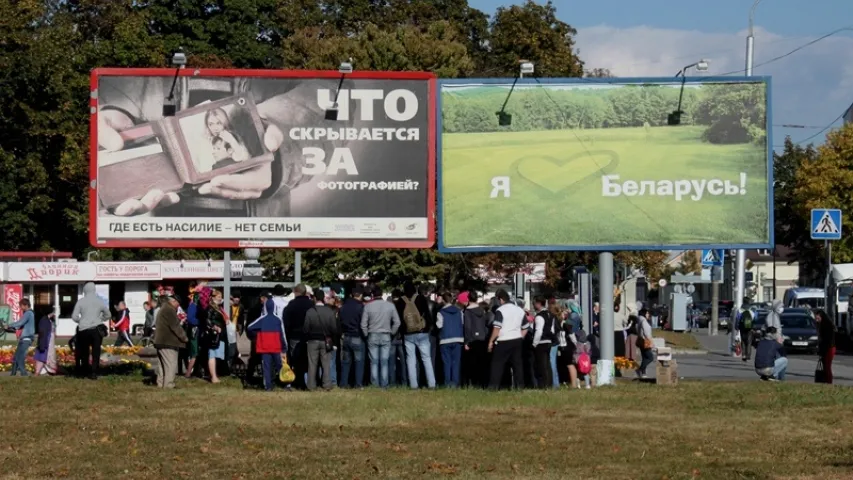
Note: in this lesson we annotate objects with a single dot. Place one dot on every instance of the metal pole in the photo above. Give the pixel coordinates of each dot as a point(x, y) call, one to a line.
point(297, 267)
point(715, 303)
point(774, 275)
point(226, 282)
point(826, 282)
point(605, 327)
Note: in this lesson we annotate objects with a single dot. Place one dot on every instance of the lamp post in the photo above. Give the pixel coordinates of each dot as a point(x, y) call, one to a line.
point(740, 261)
point(674, 118)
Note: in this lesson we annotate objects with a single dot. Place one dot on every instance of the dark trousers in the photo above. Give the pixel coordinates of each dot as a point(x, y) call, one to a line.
point(475, 366)
point(529, 360)
point(648, 357)
point(88, 343)
point(542, 353)
point(123, 338)
point(506, 353)
point(272, 365)
point(298, 359)
point(746, 344)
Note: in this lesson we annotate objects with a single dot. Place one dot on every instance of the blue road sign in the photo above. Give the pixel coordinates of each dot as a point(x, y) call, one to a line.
point(826, 224)
point(713, 257)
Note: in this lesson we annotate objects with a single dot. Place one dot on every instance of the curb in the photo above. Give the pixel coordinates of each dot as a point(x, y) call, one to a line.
point(690, 352)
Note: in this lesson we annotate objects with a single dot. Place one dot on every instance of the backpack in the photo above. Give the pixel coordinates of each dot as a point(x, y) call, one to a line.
point(584, 363)
point(746, 320)
point(412, 318)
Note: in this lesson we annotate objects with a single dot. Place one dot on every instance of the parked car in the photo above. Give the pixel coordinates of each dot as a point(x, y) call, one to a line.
point(799, 331)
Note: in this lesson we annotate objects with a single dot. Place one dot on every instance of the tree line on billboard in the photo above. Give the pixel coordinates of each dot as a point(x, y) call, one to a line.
point(732, 113)
point(51, 47)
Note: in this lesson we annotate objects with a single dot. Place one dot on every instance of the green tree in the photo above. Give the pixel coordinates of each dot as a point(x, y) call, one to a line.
point(734, 113)
point(532, 32)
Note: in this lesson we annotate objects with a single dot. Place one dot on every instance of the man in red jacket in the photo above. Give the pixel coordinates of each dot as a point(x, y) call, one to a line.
point(270, 342)
point(122, 325)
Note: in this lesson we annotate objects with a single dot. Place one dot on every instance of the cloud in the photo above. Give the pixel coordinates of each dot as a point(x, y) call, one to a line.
point(810, 87)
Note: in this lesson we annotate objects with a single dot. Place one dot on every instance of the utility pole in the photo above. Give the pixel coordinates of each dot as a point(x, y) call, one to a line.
point(605, 325)
point(715, 302)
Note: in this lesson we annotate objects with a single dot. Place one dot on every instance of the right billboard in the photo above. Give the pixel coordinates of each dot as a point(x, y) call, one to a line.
point(600, 164)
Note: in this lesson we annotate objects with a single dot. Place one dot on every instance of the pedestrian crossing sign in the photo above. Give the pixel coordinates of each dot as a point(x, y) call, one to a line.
point(713, 257)
point(826, 224)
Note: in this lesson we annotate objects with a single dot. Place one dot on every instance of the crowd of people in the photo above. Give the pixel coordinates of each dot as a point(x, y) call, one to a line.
point(411, 337)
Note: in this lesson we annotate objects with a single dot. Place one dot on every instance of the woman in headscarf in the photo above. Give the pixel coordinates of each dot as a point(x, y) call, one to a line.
point(45, 355)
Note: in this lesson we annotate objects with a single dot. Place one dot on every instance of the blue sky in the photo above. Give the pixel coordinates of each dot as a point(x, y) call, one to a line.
point(658, 37)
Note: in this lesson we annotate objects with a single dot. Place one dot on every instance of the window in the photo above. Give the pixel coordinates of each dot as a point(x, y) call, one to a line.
point(67, 300)
point(796, 321)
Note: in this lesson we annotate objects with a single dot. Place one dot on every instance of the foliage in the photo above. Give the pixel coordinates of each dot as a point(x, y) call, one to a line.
point(690, 263)
point(735, 113)
point(823, 180)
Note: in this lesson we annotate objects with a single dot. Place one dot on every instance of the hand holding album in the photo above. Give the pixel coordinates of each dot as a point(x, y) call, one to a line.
point(220, 146)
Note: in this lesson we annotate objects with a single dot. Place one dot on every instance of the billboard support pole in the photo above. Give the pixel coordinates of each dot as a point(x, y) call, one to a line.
point(606, 346)
point(297, 267)
point(226, 282)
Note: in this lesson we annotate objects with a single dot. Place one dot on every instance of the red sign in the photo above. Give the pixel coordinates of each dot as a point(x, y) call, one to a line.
point(12, 295)
point(128, 271)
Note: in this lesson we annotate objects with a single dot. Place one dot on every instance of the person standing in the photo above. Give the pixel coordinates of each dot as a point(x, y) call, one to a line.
point(320, 329)
point(352, 345)
point(451, 338)
point(122, 325)
point(826, 333)
point(743, 323)
point(280, 302)
point(90, 312)
point(270, 342)
point(293, 316)
point(214, 336)
point(644, 342)
point(509, 329)
point(45, 345)
point(543, 339)
point(379, 322)
point(169, 339)
point(475, 357)
point(397, 362)
point(415, 317)
point(27, 325)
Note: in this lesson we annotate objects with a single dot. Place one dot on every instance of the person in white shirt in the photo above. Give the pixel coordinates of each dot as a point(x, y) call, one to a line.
point(544, 336)
point(279, 300)
point(505, 344)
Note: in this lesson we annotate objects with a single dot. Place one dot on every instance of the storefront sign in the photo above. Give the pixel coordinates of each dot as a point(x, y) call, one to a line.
point(105, 271)
point(12, 295)
point(200, 269)
point(51, 272)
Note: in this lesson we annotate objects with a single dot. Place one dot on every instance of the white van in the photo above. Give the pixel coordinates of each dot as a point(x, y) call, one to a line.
point(804, 297)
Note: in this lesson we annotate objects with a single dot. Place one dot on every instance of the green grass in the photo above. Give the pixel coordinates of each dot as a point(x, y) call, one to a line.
point(563, 205)
point(118, 428)
point(679, 340)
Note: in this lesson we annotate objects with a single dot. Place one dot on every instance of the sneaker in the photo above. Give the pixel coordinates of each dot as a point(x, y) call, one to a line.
point(588, 387)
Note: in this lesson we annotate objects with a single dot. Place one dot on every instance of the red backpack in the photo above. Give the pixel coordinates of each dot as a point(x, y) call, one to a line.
point(584, 363)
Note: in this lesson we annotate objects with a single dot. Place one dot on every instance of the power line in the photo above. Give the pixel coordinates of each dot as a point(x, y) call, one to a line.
point(821, 130)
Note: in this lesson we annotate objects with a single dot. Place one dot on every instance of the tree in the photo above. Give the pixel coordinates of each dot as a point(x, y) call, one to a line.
point(824, 181)
point(532, 32)
point(791, 223)
point(690, 263)
point(734, 113)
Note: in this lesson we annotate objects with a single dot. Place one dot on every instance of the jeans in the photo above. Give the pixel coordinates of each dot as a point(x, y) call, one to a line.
point(20, 361)
point(648, 357)
point(554, 372)
point(398, 350)
point(451, 357)
point(379, 351)
point(419, 342)
point(352, 352)
point(780, 367)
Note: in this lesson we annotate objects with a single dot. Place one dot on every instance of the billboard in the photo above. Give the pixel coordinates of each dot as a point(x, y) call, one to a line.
point(252, 158)
point(594, 164)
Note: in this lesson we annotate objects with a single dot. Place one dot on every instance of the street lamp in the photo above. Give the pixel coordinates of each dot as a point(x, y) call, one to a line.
point(750, 39)
point(504, 118)
point(674, 118)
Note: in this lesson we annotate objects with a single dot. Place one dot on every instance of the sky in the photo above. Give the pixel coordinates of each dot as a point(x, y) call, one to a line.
point(653, 38)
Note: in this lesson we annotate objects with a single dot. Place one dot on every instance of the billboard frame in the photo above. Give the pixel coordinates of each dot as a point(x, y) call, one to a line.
point(530, 81)
point(432, 138)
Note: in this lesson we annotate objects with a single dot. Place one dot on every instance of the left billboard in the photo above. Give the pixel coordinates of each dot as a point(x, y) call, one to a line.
point(252, 158)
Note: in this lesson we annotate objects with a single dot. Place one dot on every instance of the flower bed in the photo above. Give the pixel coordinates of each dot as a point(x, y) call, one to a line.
point(110, 365)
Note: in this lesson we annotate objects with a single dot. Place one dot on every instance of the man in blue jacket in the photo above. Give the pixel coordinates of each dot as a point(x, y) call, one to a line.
point(27, 325)
point(270, 343)
point(770, 361)
point(451, 338)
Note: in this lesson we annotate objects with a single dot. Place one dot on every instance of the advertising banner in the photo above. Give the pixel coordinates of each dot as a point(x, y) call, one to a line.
point(256, 158)
point(12, 295)
point(598, 164)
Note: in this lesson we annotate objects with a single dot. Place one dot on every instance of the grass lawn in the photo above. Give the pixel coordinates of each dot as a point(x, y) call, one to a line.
point(117, 427)
point(556, 183)
point(679, 340)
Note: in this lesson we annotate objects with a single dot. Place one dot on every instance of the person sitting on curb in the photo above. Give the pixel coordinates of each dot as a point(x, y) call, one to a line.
point(770, 361)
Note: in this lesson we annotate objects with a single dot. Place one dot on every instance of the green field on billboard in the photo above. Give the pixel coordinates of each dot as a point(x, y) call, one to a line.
point(589, 165)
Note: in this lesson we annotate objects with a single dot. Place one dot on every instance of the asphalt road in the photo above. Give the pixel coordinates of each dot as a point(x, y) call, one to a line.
point(718, 364)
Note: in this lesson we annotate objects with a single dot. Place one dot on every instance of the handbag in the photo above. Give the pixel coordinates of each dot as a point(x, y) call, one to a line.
point(819, 372)
point(644, 343)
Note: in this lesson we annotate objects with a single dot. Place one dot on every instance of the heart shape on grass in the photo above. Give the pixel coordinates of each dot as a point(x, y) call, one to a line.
point(556, 176)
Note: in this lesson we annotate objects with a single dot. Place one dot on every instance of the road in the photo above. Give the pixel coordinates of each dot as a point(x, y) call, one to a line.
point(718, 364)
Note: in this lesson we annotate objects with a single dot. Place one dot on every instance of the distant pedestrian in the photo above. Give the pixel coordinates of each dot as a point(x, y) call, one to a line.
point(269, 342)
point(743, 322)
point(826, 333)
point(320, 328)
point(451, 338)
point(644, 342)
point(90, 313)
point(45, 354)
point(352, 345)
point(510, 328)
point(770, 361)
point(122, 325)
point(27, 326)
point(379, 322)
point(169, 338)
